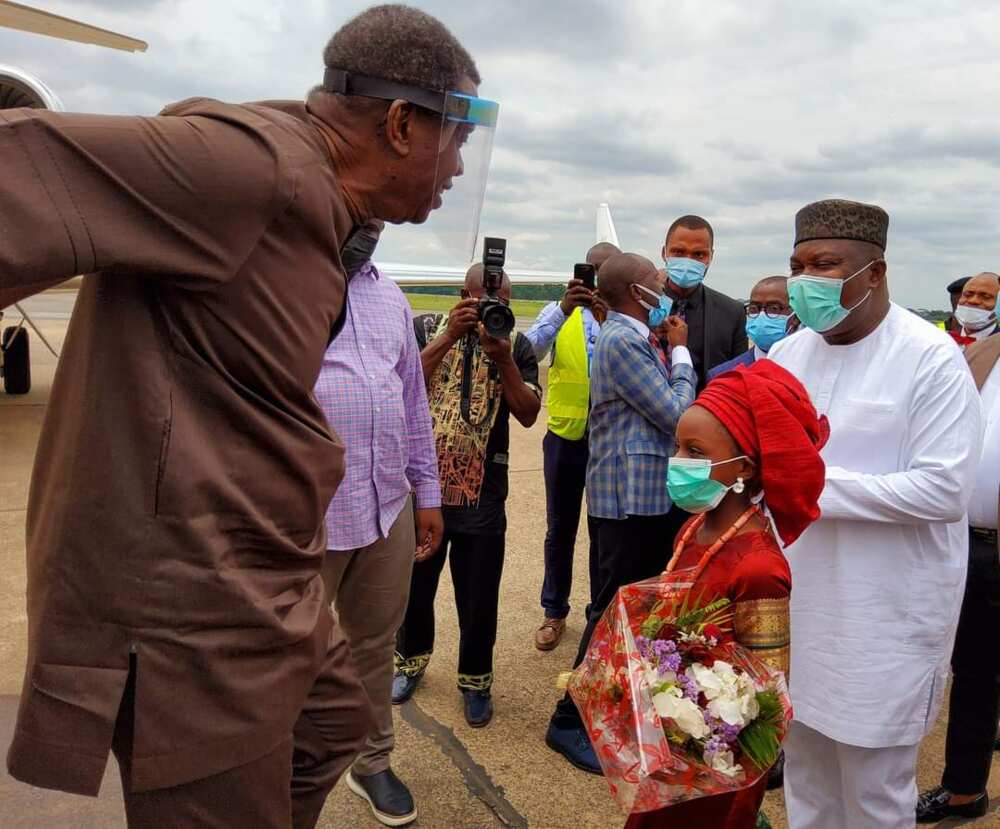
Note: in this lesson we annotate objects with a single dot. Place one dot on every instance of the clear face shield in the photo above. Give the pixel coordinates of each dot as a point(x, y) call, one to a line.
point(468, 125)
point(461, 165)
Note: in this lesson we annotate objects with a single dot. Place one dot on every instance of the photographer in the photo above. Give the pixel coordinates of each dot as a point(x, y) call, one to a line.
point(472, 444)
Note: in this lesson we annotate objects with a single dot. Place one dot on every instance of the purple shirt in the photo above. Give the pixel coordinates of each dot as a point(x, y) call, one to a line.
point(371, 387)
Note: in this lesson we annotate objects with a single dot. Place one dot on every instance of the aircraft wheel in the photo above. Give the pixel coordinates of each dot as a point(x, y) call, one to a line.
point(16, 363)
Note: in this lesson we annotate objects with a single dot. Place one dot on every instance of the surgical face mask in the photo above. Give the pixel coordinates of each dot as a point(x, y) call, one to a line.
point(691, 486)
point(975, 319)
point(686, 273)
point(359, 248)
point(657, 313)
point(816, 299)
point(765, 331)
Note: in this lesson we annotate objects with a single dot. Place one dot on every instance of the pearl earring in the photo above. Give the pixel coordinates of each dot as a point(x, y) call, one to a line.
point(739, 486)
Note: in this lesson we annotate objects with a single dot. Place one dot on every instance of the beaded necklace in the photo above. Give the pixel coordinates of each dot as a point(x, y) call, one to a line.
point(720, 542)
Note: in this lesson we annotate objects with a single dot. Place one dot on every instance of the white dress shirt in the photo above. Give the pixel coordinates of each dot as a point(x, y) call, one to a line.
point(877, 581)
point(983, 506)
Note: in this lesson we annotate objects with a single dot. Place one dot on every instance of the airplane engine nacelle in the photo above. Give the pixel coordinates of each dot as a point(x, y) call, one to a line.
point(22, 89)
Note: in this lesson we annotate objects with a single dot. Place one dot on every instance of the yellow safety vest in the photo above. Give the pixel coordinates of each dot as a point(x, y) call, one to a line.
point(569, 380)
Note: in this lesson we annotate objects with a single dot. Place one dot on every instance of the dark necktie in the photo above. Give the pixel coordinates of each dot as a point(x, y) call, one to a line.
point(655, 342)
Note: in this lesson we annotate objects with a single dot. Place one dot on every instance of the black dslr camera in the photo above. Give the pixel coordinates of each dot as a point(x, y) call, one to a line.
point(496, 317)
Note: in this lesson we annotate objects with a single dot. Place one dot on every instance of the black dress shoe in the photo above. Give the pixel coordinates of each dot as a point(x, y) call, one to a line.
point(391, 801)
point(776, 776)
point(933, 806)
point(573, 744)
point(403, 687)
point(478, 708)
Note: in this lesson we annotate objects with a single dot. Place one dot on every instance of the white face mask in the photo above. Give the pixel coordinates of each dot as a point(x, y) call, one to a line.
point(975, 319)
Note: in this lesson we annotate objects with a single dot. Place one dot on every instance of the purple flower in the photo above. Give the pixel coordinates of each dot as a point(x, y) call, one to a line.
point(688, 686)
point(642, 644)
point(714, 745)
point(662, 647)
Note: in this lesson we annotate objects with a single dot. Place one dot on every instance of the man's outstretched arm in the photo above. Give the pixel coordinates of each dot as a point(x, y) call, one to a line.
point(183, 198)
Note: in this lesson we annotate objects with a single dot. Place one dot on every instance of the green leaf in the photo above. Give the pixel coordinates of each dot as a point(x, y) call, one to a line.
point(759, 742)
point(697, 617)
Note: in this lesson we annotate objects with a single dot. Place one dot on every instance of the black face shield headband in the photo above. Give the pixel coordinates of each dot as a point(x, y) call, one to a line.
point(451, 106)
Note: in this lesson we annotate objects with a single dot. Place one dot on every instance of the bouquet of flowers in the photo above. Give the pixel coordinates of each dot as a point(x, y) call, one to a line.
point(675, 708)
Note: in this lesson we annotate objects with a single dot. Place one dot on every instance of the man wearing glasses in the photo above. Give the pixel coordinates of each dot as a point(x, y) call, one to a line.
point(769, 319)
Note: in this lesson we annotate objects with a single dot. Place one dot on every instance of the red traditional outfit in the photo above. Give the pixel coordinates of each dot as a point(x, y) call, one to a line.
point(769, 415)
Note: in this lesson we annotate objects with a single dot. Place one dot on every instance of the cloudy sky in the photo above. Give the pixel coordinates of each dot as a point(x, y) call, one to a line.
point(740, 112)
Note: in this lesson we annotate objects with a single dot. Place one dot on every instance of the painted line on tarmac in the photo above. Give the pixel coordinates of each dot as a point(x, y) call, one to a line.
point(477, 780)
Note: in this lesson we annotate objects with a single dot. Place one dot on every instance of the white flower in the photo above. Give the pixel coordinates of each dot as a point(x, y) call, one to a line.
point(731, 696)
point(728, 709)
point(656, 679)
point(748, 695)
point(671, 704)
point(724, 763)
point(706, 679)
point(724, 669)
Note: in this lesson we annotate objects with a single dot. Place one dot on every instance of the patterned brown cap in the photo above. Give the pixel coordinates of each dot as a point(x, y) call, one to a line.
point(841, 219)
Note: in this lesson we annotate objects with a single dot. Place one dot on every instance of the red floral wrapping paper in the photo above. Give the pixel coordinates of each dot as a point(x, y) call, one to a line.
point(644, 770)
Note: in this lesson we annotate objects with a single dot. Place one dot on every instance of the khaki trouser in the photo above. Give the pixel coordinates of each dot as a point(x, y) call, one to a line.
point(369, 588)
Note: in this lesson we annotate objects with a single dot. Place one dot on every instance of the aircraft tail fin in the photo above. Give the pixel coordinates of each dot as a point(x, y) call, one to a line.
point(606, 225)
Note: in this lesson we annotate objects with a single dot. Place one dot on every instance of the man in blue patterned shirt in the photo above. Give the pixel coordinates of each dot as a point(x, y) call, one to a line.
point(637, 395)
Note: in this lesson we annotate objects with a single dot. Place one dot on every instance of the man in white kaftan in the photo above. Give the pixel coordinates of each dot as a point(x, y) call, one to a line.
point(877, 581)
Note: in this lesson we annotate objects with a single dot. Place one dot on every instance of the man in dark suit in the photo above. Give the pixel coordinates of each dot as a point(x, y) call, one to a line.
point(715, 321)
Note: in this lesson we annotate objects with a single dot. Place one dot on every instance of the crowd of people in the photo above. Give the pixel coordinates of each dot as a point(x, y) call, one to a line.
point(816, 456)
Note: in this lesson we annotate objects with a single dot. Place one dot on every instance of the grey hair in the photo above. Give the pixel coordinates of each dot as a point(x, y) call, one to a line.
point(401, 44)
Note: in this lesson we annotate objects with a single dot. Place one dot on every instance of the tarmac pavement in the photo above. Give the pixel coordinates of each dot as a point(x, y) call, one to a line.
point(500, 776)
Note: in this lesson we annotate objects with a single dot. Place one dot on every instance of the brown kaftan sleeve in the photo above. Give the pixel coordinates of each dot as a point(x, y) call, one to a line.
point(177, 197)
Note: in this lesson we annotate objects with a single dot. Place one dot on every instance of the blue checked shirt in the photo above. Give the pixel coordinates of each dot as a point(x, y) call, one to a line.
point(635, 406)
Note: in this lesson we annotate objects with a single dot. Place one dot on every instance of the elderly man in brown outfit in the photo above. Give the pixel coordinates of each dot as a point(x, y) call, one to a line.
point(175, 522)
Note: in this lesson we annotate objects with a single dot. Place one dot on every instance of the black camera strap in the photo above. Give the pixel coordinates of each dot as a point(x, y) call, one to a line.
point(465, 404)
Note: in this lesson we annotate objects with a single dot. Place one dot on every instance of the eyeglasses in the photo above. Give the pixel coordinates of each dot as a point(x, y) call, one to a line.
point(770, 309)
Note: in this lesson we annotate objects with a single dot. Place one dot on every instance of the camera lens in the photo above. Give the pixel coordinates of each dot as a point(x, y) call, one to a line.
point(497, 318)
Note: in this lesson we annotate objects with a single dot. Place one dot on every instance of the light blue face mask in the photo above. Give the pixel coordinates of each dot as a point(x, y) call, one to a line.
point(686, 273)
point(765, 331)
point(816, 299)
point(657, 313)
point(691, 486)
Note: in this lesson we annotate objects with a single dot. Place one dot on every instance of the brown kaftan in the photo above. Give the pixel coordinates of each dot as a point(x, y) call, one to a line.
point(177, 503)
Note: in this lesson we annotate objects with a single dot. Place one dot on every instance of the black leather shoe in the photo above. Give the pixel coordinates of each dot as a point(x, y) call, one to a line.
point(933, 806)
point(478, 708)
point(776, 776)
point(403, 687)
point(391, 801)
point(574, 744)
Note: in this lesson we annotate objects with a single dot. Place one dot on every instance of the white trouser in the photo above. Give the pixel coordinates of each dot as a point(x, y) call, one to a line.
point(831, 785)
